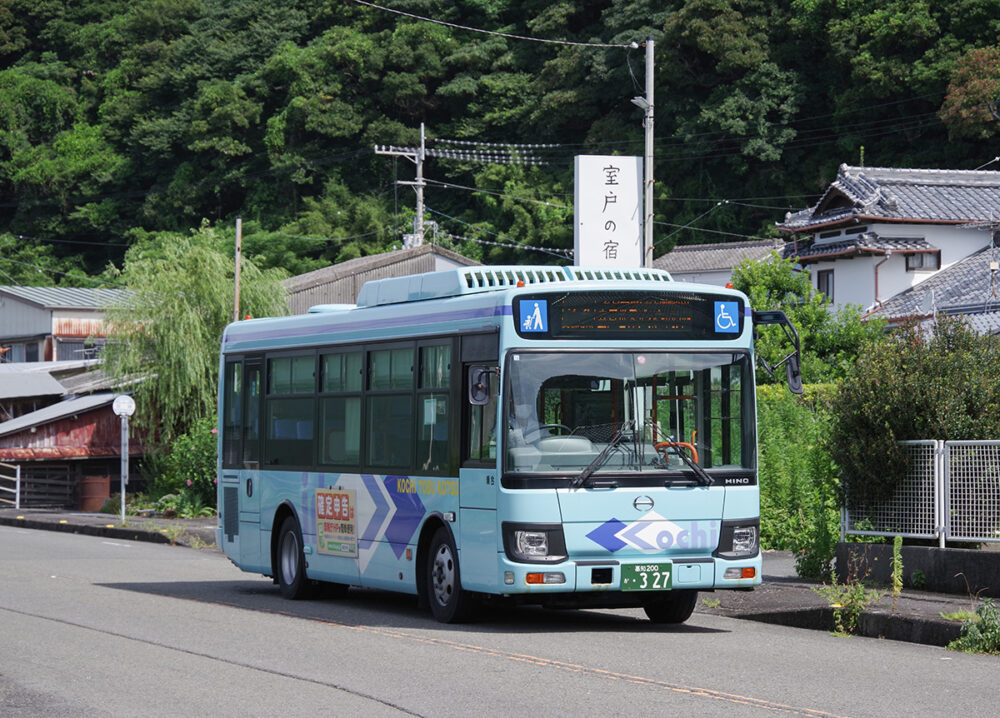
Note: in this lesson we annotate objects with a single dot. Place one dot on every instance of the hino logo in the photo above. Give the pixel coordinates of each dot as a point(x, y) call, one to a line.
point(643, 503)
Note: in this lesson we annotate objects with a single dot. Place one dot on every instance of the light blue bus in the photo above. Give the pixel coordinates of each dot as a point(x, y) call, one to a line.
point(550, 435)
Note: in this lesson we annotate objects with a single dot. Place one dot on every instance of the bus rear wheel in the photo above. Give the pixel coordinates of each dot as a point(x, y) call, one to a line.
point(449, 603)
point(671, 607)
point(290, 562)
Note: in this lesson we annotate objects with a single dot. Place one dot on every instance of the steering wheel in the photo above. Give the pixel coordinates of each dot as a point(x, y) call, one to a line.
point(564, 429)
point(664, 445)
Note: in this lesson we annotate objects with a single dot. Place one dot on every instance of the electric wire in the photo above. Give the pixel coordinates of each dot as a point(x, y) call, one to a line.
point(555, 251)
point(488, 32)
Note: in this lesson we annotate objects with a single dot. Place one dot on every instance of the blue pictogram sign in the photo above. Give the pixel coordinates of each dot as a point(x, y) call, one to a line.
point(534, 315)
point(726, 317)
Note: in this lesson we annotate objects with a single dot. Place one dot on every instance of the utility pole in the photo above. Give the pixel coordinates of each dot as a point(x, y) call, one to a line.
point(416, 155)
point(647, 161)
point(239, 251)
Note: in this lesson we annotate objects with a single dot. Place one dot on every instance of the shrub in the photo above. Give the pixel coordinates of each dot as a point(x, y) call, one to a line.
point(799, 510)
point(982, 633)
point(914, 385)
point(188, 469)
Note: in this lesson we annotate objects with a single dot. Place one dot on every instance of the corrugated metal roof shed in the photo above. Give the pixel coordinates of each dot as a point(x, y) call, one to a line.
point(65, 297)
point(56, 412)
point(28, 384)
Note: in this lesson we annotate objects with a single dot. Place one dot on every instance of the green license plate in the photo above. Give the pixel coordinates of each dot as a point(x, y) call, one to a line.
point(647, 576)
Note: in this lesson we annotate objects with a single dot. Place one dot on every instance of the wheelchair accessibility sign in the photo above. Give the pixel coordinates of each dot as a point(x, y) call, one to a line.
point(727, 317)
point(534, 315)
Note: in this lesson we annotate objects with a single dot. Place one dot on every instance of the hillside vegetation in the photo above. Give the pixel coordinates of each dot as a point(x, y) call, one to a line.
point(120, 118)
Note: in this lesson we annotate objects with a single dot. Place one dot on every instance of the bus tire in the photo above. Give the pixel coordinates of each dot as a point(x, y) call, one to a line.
point(449, 603)
point(671, 607)
point(290, 562)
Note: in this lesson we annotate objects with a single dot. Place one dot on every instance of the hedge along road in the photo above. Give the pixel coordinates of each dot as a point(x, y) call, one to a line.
point(107, 627)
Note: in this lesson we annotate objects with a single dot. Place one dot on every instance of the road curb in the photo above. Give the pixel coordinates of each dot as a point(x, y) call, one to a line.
point(119, 532)
point(894, 627)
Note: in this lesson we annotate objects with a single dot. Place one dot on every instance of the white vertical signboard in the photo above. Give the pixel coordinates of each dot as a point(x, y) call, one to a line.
point(608, 211)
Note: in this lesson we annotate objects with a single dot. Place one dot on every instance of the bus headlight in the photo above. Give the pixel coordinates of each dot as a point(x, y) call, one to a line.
point(534, 543)
point(739, 539)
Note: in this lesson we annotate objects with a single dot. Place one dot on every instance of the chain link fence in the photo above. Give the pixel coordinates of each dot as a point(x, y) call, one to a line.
point(951, 492)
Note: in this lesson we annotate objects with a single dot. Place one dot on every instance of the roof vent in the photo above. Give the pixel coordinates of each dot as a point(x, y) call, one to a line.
point(475, 280)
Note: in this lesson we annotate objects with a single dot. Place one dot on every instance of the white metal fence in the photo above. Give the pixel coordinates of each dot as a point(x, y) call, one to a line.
point(951, 492)
point(10, 485)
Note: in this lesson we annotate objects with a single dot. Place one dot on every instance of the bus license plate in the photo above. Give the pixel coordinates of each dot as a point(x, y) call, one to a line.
point(647, 577)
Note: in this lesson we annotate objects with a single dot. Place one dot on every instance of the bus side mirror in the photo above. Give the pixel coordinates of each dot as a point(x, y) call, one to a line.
point(794, 374)
point(479, 384)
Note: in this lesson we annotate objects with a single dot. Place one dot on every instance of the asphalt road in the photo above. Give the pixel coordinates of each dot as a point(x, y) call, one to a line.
point(97, 627)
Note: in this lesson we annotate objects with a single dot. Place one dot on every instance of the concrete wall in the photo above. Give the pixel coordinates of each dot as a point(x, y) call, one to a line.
point(945, 570)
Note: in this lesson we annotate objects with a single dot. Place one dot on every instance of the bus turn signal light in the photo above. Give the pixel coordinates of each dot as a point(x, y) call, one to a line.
point(545, 578)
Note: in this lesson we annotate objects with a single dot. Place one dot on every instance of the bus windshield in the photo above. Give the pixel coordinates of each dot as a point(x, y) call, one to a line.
point(586, 414)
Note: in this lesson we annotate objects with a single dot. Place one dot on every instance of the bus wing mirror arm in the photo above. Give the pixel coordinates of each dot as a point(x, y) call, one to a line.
point(479, 384)
point(793, 361)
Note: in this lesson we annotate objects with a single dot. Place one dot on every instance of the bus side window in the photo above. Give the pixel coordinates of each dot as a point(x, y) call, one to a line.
point(232, 412)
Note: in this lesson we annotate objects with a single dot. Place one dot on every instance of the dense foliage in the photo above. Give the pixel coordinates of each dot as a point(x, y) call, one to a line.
point(120, 115)
point(917, 385)
point(186, 478)
point(799, 506)
point(829, 340)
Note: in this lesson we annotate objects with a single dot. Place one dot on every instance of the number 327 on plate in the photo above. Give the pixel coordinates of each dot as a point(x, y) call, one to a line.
point(647, 577)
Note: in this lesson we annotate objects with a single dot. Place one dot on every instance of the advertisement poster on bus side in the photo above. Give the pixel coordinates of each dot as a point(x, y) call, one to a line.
point(336, 531)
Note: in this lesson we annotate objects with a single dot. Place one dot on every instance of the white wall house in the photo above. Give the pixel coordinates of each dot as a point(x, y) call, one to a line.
point(877, 232)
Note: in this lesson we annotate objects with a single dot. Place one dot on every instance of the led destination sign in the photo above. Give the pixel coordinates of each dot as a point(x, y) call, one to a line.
point(633, 315)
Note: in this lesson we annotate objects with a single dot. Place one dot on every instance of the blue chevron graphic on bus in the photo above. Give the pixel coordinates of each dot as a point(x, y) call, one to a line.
point(653, 533)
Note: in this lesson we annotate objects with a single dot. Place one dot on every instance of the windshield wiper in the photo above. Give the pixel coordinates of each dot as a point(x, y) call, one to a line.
point(703, 478)
point(619, 436)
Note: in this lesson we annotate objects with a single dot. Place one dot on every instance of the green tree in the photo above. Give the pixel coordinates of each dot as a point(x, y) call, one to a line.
point(972, 105)
point(830, 341)
point(164, 338)
point(917, 385)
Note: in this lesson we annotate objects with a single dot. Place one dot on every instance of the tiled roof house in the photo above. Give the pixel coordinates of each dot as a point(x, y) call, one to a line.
point(879, 231)
point(713, 263)
point(970, 288)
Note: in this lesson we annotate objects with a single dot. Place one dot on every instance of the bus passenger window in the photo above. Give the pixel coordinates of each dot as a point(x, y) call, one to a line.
point(290, 408)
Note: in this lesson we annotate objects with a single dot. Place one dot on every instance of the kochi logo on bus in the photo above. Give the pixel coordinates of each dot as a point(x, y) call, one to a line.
point(653, 533)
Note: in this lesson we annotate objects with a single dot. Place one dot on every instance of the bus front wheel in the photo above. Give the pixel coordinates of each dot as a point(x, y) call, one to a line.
point(671, 607)
point(449, 603)
point(290, 561)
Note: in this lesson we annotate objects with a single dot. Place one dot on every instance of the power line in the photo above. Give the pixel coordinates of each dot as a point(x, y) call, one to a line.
point(488, 32)
point(700, 216)
point(555, 251)
point(495, 193)
point(45, 270)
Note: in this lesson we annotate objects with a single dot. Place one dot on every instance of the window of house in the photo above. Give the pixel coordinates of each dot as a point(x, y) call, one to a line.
point(925, 261)
point(824, 283)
